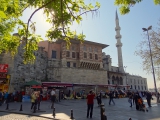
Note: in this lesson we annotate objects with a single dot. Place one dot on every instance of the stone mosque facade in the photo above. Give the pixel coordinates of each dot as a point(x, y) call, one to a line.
point(83, 64)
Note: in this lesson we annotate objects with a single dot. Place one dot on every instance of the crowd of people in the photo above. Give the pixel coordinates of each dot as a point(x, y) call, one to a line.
point(137, 98)
point(134, 98)
point(6, 97)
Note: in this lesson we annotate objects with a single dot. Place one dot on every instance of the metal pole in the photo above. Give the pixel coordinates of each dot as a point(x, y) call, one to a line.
point(126, 75)
point(152, 66)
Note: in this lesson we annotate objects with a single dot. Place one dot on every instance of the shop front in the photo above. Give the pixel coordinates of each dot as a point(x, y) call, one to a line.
point(4, 78)
point(59, 86)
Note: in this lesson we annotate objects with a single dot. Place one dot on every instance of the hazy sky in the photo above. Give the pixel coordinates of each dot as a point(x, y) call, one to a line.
point(101, 28)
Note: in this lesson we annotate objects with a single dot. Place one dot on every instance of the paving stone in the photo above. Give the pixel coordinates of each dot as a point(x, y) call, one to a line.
point(120, 111)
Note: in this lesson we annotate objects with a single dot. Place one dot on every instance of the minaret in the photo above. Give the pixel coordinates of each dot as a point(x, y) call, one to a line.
point(119, 44)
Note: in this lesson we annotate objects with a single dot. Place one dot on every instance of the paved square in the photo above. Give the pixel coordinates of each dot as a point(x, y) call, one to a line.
point(119, 111)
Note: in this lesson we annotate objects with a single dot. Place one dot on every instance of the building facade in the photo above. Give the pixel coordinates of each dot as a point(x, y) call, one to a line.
point(80, 63)
point(137, 82)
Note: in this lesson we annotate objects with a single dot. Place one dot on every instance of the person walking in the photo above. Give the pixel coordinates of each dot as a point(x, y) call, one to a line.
point(90, 103)
point(33, 100)
point(133, 97)
point(149, 97)
point(130, 100)
point(111, 94)
point(53, 97)
point(136, 100)
point(1, 96)
point(6, 97)
point(38, 100)
point(99, 99)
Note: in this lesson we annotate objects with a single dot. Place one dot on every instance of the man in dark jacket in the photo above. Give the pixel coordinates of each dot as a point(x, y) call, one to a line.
point(149, 97)
point(111, 95)
point(1, 98)
point(136, 100)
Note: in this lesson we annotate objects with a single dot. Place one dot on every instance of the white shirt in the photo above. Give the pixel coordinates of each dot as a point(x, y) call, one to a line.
point(53, 92)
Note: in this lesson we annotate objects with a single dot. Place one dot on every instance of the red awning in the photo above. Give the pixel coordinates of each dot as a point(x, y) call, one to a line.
point(83, 84)
point(36, 86)
point(56, 84)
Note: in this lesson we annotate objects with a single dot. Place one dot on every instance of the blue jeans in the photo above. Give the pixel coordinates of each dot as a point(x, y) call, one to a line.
point(111, 99)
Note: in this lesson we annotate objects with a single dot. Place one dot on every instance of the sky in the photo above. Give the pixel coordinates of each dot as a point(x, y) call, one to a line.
point(101, 28)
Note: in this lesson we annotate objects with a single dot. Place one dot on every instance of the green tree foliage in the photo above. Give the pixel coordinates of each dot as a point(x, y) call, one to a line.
point(144, 52)
point(60, 13)
point(125, 5)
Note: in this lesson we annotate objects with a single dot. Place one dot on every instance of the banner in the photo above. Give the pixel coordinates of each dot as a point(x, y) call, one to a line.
point(3, 75)
point(5, 87)
point(3, 68)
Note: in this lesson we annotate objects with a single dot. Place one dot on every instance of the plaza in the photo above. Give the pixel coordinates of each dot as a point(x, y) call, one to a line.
point(119, 111)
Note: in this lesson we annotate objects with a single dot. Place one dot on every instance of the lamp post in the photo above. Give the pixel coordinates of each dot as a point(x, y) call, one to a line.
point(147, 29)
point(125, 73)
point(126, 77)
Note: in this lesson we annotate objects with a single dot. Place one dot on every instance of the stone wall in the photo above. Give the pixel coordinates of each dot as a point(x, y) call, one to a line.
point(21, 72)
point(87, 76)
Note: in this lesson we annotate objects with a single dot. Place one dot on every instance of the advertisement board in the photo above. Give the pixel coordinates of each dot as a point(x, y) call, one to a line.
point(3, 68)
point(3, 75)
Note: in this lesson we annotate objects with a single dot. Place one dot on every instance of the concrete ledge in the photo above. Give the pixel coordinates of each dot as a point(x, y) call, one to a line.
point(6, 111)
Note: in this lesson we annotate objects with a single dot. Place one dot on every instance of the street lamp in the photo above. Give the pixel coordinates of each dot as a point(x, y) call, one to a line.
point(147, 29)
point(125, 73)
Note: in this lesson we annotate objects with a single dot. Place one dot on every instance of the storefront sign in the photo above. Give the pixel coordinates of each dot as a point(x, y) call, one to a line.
point(5, 87)
point(3, 75)
point(3, 68)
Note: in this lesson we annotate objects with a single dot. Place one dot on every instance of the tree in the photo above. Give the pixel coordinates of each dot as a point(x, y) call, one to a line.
point(60, 13)
point(125, 5)
point(144, 51)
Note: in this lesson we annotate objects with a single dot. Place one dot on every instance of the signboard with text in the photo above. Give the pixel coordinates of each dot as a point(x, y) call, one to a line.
point(3, 68)
point(3, 75)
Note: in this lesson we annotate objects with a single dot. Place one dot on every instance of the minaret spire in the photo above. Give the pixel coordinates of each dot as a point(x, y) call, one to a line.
point(116, 15)
point(119, 44)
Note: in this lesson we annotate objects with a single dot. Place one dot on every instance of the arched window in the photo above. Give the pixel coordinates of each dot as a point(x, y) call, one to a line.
point(121, 81)
point(117, 80)
point(108, 82)
point(113, 79)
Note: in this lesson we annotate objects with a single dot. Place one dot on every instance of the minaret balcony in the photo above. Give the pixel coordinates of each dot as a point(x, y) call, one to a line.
point(119, 45)
point(118, 36)
point(117, 28)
